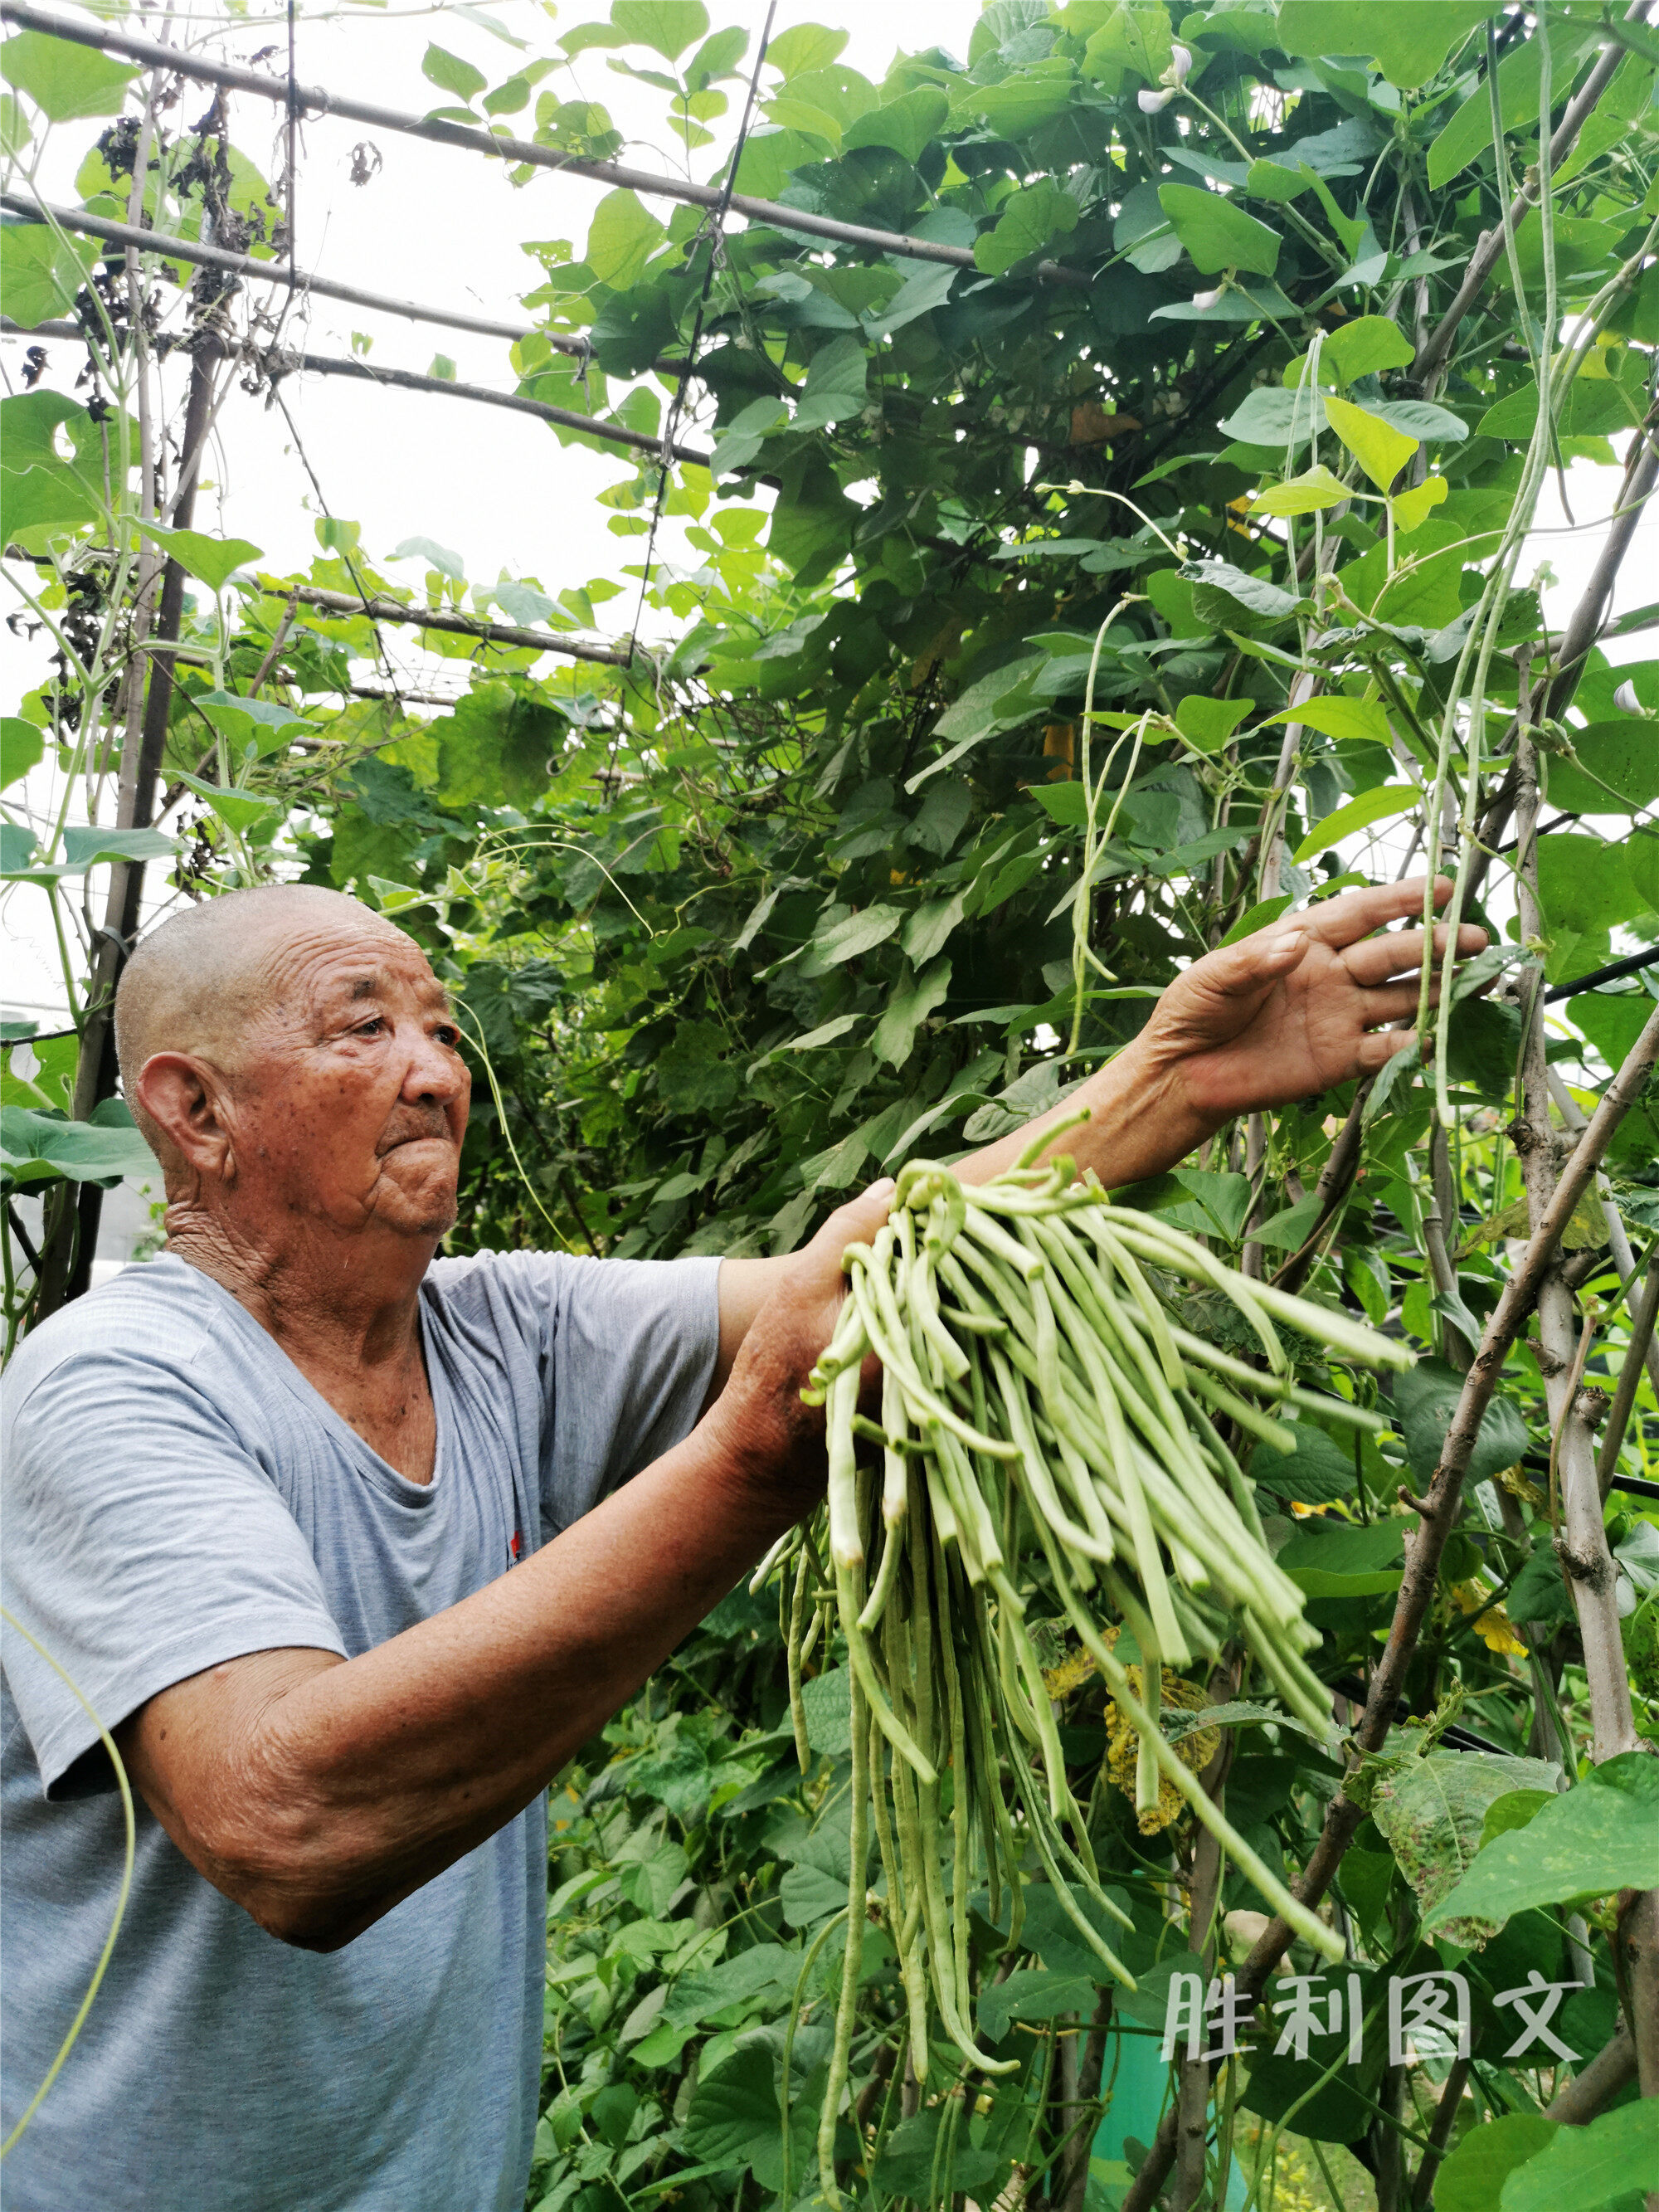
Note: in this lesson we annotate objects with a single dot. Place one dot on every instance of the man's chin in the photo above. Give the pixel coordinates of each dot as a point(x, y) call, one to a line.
point(418, 1205)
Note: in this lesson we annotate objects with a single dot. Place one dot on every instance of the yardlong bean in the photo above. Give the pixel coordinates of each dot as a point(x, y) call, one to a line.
point(1048, 1427)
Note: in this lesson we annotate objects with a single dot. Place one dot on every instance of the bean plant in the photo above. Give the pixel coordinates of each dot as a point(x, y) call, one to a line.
point(1117, 526)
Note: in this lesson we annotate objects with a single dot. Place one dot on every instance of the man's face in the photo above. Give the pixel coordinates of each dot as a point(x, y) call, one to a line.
point(351, 1095)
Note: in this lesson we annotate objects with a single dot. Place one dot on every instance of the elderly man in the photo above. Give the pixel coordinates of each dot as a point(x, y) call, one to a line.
point(352, 1548)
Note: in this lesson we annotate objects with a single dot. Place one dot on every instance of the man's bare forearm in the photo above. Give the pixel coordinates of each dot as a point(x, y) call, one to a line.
point(359, 1779)
point(1139, 1125)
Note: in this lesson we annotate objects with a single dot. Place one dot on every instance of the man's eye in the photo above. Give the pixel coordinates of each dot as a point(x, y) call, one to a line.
point(372, 1027)
point(448, 1035)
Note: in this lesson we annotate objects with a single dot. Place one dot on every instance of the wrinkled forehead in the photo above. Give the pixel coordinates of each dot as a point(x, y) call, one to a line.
point(312, 971)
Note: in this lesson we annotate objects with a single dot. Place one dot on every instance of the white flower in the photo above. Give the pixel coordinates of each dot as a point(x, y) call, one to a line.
point(1207, 298)
point(1150, 102)
point(1179, 67)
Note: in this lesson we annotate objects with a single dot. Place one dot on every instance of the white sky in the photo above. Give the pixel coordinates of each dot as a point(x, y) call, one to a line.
point(443, 227)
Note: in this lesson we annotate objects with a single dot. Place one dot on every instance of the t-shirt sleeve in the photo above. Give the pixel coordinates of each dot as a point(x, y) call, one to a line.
point(625, 1349)
point(143, 1545)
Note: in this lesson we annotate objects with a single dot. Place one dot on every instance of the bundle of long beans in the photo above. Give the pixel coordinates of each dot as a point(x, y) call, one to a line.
point(1047, 1422)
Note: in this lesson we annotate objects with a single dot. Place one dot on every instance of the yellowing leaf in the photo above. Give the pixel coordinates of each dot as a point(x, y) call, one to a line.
point(1379, 449)
point(1415, 507)
point(1315, 488)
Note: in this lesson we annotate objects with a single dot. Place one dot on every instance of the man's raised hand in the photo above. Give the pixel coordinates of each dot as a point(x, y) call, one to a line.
point(1291, 1012)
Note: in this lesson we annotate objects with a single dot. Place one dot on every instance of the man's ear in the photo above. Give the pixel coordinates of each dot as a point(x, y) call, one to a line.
point(184, 1097)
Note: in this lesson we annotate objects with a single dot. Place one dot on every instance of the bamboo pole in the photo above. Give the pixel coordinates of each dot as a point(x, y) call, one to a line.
point(470, 138)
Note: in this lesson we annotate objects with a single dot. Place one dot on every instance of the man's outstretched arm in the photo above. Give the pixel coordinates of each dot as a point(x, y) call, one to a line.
point(318, 1792)
point(1281, 1016)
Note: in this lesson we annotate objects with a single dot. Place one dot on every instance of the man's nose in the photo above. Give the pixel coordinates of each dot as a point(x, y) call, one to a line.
point(433, 1072)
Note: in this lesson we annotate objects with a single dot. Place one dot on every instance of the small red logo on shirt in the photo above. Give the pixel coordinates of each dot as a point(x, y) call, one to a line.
point(514, 1549)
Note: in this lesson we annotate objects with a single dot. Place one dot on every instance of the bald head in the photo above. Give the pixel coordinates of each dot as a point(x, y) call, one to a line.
point(198, 982)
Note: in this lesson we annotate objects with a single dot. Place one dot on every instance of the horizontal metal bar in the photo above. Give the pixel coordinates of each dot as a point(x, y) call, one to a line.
point(313, 100)
point(265, 272)
point(363, 372)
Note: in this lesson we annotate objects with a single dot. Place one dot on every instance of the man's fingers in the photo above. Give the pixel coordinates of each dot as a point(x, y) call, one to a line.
point(1392, 1002)
point(1254, 961)
point(1380, 958)
point(1378, 1047)
point(1353, 914)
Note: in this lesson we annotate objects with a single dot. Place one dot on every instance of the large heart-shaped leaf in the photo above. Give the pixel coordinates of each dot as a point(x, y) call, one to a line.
point(1600, 1836)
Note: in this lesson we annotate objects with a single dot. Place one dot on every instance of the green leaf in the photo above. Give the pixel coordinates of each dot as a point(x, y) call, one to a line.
point(763, 1966)
point(928, 929)
point(1034, 1993)
point(844, 935)
point(1432, 1813)
point(908, 125)
point(266, 724)
point(64, 79)
point(692, 1076)
point(1026, 221)
point(1382, 804)
point(1409, 38)
point(1473, 2176)
point(1338, 716)
point(907, 1010)
point(807, 1894)
point(668, 27)
point(1317, 1473)
point(40, 273)
point(83, 848)
point(21, 746)
point(1340, 1558)
point(804, 49)
point(1468, 134)
point(1206, 723)
point(451, 74)
point(1259, 916)
point(1424, 1398)
point(17, 844)
point(1227, 597)
point(496, 747)
point(1595, 407)
point(242, 809)
point(1602, 1836)
point(836, 381)
point(1583, 2168)
point(1314, 489)
point(1217, 234)
point(1584, 884)
point(435, 557)
point(40, 488)
point(734, 2117)
point(1135, 38)
point(621, 239)
point(1379, 449)
point(211, 561)
point(828, 1698)
point(1289, 1231)
point(1617, 770)
point(1366, 345)
point(37, 1147)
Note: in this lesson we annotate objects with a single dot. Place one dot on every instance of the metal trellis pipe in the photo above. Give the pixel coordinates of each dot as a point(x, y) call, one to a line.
point(314, 99)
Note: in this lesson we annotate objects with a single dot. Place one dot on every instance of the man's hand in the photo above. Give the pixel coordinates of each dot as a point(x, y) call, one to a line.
point(1290, 1012)
point(763, 1427)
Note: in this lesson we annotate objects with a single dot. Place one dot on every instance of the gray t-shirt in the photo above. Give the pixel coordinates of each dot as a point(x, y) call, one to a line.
point(176, 1494)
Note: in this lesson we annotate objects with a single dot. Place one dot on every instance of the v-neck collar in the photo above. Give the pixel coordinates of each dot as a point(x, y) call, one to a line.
point(369, 1463)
